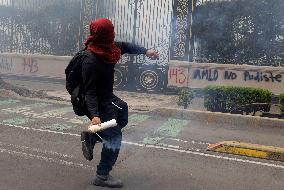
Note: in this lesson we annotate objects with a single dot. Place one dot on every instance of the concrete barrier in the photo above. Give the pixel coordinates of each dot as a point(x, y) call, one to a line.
point(33, 65)
point(200, 75)
point(180, 74)
point(248, 149)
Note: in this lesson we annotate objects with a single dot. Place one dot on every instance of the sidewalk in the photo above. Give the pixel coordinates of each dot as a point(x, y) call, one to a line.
point(137, 101)
point(166, 106)
point(160, 105)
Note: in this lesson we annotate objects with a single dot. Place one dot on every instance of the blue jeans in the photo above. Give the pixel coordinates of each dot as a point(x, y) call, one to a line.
point(114, 108)
point(109, 154)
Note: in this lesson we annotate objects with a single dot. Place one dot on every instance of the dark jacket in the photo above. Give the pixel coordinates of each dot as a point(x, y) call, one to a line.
point(98, 79)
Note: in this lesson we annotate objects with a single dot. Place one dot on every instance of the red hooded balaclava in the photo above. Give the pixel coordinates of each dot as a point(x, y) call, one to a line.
point(101, 41)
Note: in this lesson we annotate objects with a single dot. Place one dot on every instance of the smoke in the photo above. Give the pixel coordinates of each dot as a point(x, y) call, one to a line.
point(113, 144)
point(235, 31)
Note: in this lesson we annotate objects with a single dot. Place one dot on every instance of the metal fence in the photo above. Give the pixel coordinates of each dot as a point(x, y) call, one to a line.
point(147, 23)
point(40, 26)
point(59, 27)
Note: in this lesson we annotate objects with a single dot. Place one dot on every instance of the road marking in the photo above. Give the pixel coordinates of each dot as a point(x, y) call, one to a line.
point(27, 107)
point(248, 149)
point(9, 101)
point(138, 118)
point(40, 130)
point(27, 111)
point(192, 142)
point(134, 120)
point(57, 112)
point(154, 140)
point(58, 127)
point(206, 155)
point(161, 148)
point(38, 150)
point(47, 159)
point(172, 127)
point(18, 121)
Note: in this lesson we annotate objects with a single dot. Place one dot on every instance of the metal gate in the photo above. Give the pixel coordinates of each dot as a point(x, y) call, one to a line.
point(143, 22)
point(59, 27)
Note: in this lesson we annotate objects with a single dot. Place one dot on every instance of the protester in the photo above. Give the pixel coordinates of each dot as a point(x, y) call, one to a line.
point(102, 105)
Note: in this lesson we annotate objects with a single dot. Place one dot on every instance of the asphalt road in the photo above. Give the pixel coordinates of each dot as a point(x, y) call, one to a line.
point(40, 149)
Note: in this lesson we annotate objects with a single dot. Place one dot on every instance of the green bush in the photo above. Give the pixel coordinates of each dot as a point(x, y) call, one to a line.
point(185, 97)
point(230, 99)
point(282, 103)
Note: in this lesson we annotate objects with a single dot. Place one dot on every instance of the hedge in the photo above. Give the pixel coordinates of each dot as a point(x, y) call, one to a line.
point(229, 99)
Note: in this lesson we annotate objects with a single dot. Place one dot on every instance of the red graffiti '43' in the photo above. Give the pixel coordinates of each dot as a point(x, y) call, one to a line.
point(178, 74)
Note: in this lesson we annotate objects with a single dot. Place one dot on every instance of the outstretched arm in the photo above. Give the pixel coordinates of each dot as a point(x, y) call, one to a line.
point(135, 49)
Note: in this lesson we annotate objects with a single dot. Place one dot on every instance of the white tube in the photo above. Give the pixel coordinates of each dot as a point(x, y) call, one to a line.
point(102, 126)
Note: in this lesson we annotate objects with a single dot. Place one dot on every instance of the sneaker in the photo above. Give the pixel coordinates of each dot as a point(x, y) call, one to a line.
point(107, 181)
point(87, 145)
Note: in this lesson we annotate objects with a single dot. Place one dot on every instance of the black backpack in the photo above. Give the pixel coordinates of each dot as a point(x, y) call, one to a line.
point(74, 82)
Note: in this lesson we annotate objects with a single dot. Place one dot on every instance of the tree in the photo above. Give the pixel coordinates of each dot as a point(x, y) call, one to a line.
point(241, 32)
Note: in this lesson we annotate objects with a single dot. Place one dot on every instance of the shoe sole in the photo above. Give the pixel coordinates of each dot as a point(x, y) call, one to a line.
point(100, 184)
point(86, 151)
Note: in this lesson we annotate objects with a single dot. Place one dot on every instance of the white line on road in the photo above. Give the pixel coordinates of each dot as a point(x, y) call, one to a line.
point(192, 142)
point(38, 150)
point(160, 147)
point(43, 158)
point(41, 130)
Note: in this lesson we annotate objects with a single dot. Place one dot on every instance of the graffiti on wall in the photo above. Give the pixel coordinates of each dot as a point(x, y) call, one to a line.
point(6, 64)
point(206, 74)
point(215, 74)
point(194, 75)
point(178, 76)
point(30, 65)
point(25, 64)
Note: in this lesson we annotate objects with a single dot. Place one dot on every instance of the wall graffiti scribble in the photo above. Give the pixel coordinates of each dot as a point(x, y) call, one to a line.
point(207, 74)
point(214, 75)
point(260, 76)
point(30, 65)
point(6, 64)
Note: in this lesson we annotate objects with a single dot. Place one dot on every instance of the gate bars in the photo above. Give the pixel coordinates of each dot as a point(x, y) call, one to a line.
point(59, 27)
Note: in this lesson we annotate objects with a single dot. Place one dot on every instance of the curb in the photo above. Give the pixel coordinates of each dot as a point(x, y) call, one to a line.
point(216, 117)
point(250, 150)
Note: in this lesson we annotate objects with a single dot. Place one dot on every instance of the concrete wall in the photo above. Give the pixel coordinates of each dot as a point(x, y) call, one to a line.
point(33, 65)
point(180, 74)
point(200, 75)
